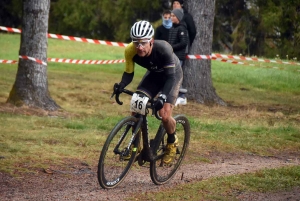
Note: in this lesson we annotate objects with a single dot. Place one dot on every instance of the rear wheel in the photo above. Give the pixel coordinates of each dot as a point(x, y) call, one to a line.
point(161, 173)
point(116, 159)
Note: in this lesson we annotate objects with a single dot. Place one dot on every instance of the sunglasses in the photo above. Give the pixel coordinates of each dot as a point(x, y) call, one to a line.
point(142, 43)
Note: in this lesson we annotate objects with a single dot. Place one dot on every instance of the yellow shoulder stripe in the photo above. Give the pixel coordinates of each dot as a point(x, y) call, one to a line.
point(130, 51)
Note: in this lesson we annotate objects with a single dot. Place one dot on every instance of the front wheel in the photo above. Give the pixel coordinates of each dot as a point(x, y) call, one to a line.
point(116, 159)
point(161, 173)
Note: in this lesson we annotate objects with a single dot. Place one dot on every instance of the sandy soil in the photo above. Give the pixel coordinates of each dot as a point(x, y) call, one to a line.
point(79, 182)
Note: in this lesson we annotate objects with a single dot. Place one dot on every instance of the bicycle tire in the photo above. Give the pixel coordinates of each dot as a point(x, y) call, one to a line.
point(112, 167)
point(162, 173)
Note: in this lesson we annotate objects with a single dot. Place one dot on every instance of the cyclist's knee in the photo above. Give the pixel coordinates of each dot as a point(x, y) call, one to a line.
point(165, 112)
point(165, 116)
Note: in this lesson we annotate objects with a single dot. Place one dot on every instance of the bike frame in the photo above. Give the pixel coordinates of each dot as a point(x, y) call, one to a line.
point(147, 152)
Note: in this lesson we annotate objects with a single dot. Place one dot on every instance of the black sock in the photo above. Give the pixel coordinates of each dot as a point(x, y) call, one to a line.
point(171, 138)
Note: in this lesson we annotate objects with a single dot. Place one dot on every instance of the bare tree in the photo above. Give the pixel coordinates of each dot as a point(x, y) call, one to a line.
point(31, 84)
point(197, 73)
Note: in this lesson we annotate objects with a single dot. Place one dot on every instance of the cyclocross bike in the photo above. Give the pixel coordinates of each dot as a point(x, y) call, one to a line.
point(128, 143)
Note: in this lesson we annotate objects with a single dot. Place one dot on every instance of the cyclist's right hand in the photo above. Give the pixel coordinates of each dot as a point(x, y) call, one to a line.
point(118, 87)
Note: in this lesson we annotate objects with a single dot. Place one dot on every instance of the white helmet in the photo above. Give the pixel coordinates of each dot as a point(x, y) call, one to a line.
point(141, 29)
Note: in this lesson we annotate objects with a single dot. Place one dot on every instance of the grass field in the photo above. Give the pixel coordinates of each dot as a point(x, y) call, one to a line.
point(263, 117)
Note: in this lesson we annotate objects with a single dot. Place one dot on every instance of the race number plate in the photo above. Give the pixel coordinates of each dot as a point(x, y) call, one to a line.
point(138, 103)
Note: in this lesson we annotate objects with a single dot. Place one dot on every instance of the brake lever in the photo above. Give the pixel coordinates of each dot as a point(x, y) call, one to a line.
point(118, 100)
point(117, 97)
point(112, 95)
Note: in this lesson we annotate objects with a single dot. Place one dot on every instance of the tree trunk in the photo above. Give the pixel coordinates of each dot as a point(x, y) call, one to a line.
point(197, 73)
point(31, 84)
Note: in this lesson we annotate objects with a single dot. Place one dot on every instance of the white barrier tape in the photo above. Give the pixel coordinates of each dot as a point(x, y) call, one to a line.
point(119, 44)
point(72, 61)
point(8, 61)
point(253, 59)
point(227, 61)
point(72, 38)
point(9, 29)
point(33, 59)
point(248, 64)
point(198, 56)
point(78, 61)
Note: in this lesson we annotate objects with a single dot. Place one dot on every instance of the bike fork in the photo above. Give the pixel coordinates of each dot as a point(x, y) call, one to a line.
point(133, 136)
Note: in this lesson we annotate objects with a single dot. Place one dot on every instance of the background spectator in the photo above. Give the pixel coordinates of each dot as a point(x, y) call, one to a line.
point(174, 31)
point(162, 32)
point(188, 19)
point(178, 38)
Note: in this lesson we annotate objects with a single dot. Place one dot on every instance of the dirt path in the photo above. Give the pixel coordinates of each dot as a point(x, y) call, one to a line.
point(80, 182)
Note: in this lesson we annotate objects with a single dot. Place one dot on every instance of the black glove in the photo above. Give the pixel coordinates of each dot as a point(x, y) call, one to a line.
point(159, 103)
point(119, 87)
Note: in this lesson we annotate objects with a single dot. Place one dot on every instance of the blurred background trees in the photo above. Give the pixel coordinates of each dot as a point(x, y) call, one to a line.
point(257, 27)
point(249, 27)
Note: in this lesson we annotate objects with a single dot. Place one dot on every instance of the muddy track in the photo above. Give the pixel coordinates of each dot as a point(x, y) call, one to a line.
point(79, 182)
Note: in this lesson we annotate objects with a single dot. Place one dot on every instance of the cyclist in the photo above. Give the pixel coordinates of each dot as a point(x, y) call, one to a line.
point(164, 74)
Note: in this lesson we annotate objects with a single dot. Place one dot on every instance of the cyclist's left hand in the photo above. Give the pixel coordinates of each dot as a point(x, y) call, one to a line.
point(159, 103)
point(118, 87)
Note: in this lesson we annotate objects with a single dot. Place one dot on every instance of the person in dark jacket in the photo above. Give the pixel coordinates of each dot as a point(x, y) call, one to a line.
point(162, 32)
point(178, 36)
point(178, 39)
point(188, 19)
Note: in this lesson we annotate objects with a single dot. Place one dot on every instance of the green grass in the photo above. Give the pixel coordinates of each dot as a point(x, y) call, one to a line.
point(261, 85)
point(264, 119)
point(229, 187)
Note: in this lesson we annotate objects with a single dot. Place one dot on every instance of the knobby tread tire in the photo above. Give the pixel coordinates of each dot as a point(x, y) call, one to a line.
point(160, 173)
point(110, 163)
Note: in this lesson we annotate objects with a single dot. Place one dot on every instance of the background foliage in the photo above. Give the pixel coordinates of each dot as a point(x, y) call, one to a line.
point(250, 27)
point(258, 27)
